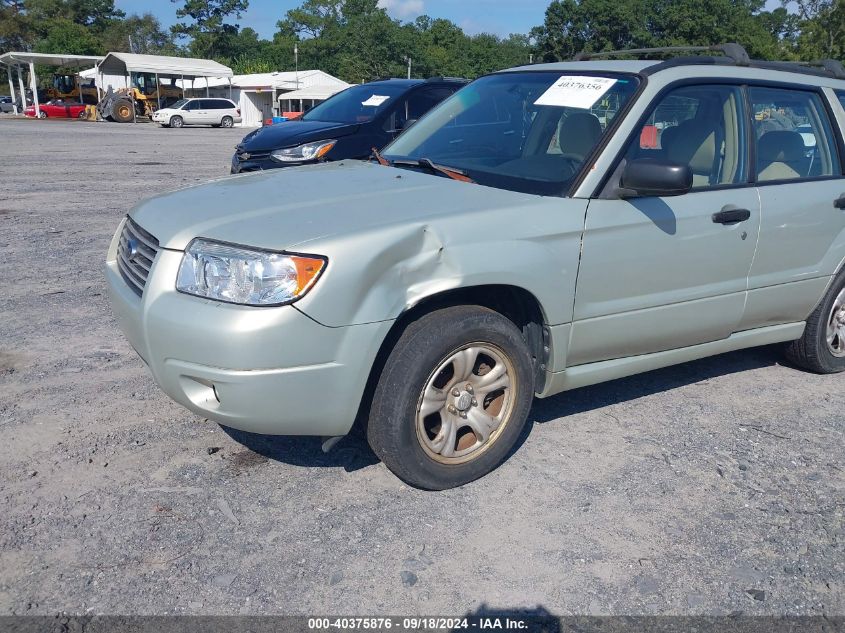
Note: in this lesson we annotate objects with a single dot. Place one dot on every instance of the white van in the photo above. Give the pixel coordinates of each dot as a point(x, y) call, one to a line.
point(213, 112)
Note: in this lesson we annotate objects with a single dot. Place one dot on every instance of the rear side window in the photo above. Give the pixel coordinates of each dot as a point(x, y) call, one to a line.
point(221, 104)
point(416, 105)
point(700, 126)
point(793, 135)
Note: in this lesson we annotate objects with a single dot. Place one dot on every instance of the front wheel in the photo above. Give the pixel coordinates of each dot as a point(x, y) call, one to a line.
point(176, 121)
point(122, 111)
point(453, 397)
point(42, 114)
point(227, 121)
point(822, 347)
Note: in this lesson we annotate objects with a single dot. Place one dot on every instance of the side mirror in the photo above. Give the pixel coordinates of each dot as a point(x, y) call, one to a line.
point(409, 123)
point(646, 177)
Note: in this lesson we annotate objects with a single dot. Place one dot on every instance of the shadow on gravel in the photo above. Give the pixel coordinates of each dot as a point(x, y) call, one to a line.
point(351, 453)
point(657, 381)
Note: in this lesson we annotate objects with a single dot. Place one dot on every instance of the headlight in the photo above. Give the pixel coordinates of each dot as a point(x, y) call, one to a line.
point(245, 276)
point(302, 153)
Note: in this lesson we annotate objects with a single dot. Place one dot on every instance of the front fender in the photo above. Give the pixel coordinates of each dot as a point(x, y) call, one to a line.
point(377, 274)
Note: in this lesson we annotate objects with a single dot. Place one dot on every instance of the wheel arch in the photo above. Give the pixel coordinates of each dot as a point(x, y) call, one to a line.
point(517, 304)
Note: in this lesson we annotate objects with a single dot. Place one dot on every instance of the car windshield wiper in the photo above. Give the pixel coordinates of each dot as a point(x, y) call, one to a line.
point(381, 159)
point(451, 172)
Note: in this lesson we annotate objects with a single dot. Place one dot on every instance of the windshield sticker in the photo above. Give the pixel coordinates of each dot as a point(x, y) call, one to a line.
point(576, 92)
point(375, 101)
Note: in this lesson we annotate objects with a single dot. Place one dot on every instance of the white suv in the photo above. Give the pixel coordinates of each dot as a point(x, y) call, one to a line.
point(213, 112)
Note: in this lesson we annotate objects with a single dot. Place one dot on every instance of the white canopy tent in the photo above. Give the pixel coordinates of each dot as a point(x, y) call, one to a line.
point(312, 93)
point(260, 95)
point(19, 59)
point(124, 64)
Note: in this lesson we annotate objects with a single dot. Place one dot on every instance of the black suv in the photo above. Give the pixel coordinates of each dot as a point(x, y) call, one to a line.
point(348, 125)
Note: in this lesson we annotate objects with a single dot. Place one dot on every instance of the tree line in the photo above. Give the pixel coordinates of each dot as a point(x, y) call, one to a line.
point(357, 40)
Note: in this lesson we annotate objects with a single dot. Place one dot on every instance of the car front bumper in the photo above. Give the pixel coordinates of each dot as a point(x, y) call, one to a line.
point(241, 166)
point(264, 370)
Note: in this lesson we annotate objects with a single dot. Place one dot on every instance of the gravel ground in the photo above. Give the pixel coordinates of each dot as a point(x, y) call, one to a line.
point(713, 487)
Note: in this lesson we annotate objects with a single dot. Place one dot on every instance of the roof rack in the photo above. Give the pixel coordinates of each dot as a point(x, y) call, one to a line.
point(731, 50)
point(833, 66)
point(731, 54)
point(459, 79)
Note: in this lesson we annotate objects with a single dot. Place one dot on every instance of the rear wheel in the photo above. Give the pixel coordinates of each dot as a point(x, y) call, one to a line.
point(822, 347)
point(453, 397)
point(122, 111)
point(176, 121)
point(227, 121)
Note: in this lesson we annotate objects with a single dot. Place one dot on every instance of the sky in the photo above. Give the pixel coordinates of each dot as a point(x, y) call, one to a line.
point(501, 17)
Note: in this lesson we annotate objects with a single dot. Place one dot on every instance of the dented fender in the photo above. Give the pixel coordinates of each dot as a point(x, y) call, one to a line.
point(378, 273)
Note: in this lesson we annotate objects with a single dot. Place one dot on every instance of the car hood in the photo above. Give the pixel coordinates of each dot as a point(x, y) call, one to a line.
point(281, 209)
point(292, 133)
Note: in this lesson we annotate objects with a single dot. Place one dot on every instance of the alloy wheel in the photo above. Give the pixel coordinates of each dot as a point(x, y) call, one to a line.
point(836, 326)
point(466, 403)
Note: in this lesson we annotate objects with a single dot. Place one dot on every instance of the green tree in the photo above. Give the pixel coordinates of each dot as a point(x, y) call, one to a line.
point(65, 36)
point(16, 30)
point(93, 14)
point(138, 34)
point(572, 26)
point(209, 31)
point(821, 29)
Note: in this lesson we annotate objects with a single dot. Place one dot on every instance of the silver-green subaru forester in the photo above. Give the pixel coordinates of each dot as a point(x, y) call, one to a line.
point(546, 228)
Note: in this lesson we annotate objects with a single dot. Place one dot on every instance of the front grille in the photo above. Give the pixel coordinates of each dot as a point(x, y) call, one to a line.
point(242, 155)
point(135, 255)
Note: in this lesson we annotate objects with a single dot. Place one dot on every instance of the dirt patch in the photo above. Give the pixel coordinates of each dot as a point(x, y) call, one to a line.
point(241, 461)
point(10, 361)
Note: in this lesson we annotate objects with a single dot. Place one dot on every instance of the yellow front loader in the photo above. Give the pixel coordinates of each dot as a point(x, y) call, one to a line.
point(69, 88)
point(144, 96)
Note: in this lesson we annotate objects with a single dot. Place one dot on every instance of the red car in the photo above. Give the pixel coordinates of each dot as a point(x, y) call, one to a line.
point(57, 109)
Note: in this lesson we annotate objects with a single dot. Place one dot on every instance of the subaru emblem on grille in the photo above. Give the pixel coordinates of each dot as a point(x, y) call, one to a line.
point(133, 250)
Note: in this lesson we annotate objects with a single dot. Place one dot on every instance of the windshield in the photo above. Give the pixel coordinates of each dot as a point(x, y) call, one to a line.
point(178, 105)
point(524, 131)
point(64, 83)
point(358, 104)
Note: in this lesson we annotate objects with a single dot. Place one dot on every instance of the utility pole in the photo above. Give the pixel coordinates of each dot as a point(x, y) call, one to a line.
point(408, 59)
point(296, 62)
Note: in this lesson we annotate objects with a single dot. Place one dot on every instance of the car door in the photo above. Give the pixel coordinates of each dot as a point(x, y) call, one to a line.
point(671, 272)
point(206, 113)
point(190, 112)
point(799, 180)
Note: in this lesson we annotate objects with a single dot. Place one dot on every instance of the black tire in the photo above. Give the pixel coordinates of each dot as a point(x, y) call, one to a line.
point(812, 351)
point(122, 111)
point(165, 125)
point(176, 121)
point(227, 121)
point(392, 428)
point(42, 114)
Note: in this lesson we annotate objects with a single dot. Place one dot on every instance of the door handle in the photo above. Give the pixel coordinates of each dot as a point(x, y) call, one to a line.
point(731, 216)
point(839, 203)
